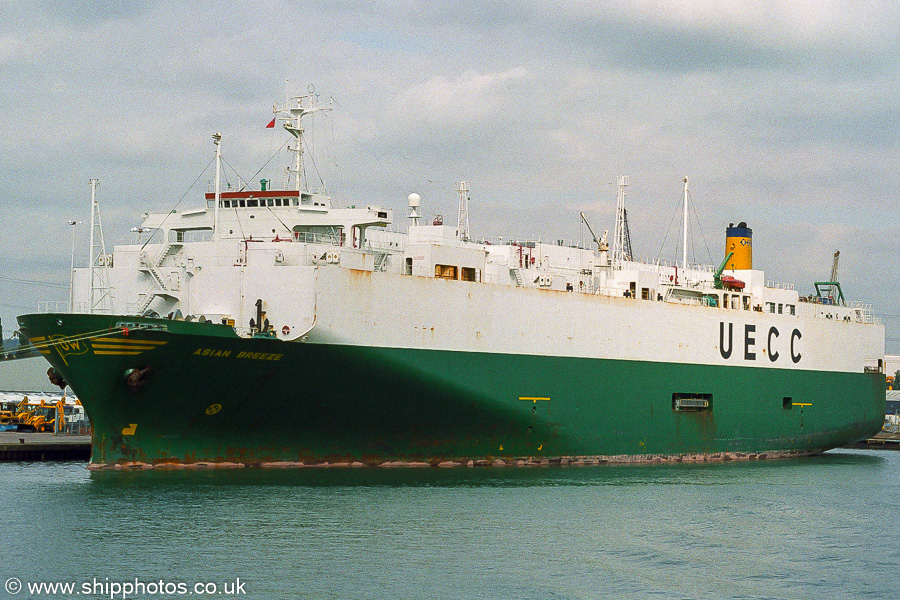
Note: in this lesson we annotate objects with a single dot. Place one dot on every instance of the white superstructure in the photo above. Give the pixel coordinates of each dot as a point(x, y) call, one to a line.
point(314, 272)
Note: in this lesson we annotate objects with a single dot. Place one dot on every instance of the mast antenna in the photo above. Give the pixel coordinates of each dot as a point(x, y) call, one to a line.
point(307, 105)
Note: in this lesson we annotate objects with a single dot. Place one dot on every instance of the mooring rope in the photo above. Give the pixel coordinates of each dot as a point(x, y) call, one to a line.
point(9, 355)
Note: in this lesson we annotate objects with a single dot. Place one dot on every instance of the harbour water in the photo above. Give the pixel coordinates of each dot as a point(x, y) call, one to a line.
point(820, 527)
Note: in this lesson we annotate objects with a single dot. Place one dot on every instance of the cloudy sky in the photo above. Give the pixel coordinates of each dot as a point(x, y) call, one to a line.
point(784, 114)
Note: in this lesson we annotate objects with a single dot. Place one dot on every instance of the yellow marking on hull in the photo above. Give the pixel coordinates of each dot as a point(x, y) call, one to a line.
point(37, 339)
point(132, 427)
point(118, 352)
point(213, 409)
point(533, 398)
point(117, 347)
point(131, 342)
point(801, 404)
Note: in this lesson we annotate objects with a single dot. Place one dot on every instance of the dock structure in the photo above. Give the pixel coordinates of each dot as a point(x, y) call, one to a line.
point(25, 446)
point(880, 441)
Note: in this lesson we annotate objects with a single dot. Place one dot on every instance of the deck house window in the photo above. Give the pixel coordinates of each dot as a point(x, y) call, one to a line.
point(445, 271)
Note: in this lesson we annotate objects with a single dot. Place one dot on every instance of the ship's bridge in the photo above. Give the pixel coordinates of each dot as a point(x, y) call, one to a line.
point(282, 215)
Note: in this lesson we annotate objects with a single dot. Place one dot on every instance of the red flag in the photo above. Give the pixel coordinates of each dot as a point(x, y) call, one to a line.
point(271, 124)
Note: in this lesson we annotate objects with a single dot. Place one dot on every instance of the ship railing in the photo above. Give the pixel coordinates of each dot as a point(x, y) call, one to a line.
point(864, 312)
point(857, 312)
point(325, 239)
point(61, 306)
point(381, 246)
point(529, 241)
point(139, 237)
point(779, 285)
point(672, 264)
point(672, 296)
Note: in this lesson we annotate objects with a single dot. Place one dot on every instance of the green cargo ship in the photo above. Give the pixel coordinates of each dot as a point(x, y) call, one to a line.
point(273, 328)
point(205, 395)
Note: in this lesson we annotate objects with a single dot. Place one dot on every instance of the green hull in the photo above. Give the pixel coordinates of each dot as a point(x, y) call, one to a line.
point(211, 397)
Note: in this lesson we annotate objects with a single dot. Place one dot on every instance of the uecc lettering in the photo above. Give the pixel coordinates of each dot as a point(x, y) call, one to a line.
point(771, 343)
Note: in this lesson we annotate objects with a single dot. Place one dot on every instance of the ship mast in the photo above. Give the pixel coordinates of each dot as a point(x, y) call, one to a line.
point(73, 223)
point(306, 106)
point(100, 295)
point(462, 220)
point(621, 253)
point(217, 140)
point(684, 263)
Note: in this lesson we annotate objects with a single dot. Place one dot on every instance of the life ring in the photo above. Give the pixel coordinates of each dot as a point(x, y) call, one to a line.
point(285, 330)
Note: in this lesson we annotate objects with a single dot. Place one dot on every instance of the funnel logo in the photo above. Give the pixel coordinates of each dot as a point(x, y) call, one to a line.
point(67, 347)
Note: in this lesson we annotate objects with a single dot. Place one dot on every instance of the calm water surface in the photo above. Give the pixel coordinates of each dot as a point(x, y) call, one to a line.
point(821, 527)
